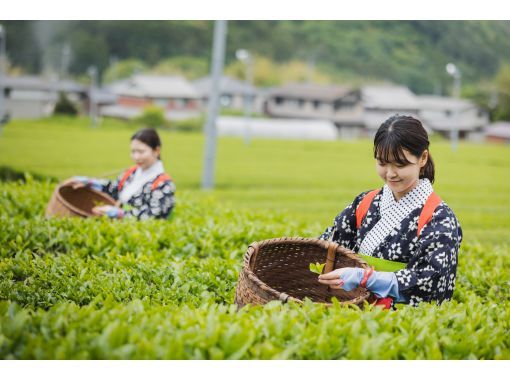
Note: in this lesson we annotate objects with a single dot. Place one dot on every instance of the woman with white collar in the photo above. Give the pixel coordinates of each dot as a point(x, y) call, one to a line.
point(144, 190)
point(404, 231)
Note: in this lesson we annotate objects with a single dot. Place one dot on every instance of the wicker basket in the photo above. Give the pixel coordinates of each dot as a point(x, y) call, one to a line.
point(67, 201)
point(278, 269)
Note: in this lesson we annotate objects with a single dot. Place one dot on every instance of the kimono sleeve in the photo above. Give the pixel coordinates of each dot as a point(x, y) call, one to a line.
point(430, 275)
point(343, 231)
point(111, 187)
point(159, 205)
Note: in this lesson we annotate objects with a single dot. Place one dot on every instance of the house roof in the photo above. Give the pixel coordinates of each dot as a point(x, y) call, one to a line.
point(310, 91)
point(155, 86)
point(443, 103)
point(228, 85)
point(36, 83)
point(498, 129)
point(390, 97)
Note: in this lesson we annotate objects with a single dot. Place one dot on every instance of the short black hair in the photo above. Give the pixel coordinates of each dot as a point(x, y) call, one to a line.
point(400, 132)
point(149, 137)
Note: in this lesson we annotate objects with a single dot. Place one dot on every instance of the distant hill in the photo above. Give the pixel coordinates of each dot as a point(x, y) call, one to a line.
point(413, 53)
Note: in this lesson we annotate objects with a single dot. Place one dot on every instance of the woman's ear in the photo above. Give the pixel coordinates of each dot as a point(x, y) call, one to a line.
point(157, 150)
point(424, 158)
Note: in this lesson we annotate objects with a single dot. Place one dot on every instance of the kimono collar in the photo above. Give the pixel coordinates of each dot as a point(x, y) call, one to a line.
point(139, 179)
point(413, 199)
point(393, 212)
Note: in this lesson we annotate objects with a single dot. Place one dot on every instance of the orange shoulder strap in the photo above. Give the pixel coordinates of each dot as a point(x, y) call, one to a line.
point(428, 210)
point(364, 205)
point(159, 179)
point(126, 175)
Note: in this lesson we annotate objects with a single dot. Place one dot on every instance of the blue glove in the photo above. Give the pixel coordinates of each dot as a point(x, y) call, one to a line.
point(382, 284)
point(352, 278)
point(91, 182)
point(115, 212)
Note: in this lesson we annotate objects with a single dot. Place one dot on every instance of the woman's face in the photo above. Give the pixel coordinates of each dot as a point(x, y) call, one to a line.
point(143, 155)
point(402, 178)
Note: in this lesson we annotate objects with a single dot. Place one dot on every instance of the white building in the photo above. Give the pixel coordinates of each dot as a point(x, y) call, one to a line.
point(174, 94)
point(443, 114)
point(382, 101)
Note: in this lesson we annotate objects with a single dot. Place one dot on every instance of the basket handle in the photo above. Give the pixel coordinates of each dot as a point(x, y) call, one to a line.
point(330, 258)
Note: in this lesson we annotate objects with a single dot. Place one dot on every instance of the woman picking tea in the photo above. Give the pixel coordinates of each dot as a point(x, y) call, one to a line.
point(403, 229)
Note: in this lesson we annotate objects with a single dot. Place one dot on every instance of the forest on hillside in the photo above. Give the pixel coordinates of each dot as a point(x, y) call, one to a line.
point(412, 53)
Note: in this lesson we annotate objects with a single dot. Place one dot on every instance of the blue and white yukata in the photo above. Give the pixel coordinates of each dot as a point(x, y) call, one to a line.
point(389, 231)
point(137, 196)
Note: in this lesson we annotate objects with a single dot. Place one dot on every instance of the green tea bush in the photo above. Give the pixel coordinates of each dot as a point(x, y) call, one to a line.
point(152, 117)
point(102, 289)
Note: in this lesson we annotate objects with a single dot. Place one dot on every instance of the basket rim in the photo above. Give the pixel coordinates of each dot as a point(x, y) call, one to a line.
point(284, 297)
point(76, 209)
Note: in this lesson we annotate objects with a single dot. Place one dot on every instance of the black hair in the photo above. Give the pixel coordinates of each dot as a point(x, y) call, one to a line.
point(403, 132)
point(149, 137)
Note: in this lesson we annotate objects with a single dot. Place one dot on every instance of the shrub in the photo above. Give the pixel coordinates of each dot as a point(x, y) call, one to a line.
point(152, 117)
point(64, 106)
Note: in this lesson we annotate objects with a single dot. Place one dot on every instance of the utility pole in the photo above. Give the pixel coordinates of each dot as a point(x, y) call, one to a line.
point(218, 58)
point(454, 132)
point(92, 71)
point(246, 58)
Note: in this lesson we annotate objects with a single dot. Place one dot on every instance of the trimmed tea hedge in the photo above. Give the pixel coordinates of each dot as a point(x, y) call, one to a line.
point(97, 288)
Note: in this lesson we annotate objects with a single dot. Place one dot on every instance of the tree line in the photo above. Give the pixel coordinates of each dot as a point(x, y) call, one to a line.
point(413, 53)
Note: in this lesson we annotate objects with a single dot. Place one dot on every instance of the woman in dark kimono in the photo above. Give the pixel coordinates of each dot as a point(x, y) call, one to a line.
point(144, 190)
point(403, 229)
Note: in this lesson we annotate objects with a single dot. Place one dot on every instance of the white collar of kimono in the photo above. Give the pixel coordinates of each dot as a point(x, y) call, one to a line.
point(140, 178)
point(393, 212)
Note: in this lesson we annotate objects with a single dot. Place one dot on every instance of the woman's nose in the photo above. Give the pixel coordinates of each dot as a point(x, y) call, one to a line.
point(391, 173)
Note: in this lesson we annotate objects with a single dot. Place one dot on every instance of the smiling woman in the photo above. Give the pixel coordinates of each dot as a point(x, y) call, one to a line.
point(144, 190)
point(404, 223)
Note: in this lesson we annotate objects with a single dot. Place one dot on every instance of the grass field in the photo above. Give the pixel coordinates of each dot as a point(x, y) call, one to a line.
point(308, 181)
point(99, 289)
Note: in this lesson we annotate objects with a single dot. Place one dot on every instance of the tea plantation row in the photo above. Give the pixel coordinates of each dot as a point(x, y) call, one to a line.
point(73, 288)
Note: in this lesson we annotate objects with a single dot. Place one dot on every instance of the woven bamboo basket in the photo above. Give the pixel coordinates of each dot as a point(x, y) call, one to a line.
point(67, 201)
point(278, 269)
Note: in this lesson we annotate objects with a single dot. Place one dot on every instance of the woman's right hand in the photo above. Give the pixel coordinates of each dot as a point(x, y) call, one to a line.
point(74, 182)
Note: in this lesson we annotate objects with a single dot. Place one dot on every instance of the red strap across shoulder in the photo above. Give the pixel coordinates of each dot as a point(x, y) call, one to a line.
point(428, 210)
point(364, 205)
point(126, 175)
point(159, 179)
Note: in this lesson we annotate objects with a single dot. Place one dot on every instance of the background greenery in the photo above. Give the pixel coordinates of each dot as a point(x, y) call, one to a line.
point(412, 53)
point(73, 288)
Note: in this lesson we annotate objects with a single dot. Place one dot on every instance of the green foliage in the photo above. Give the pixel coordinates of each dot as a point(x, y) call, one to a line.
point(101, 289)
point(64, 106)
point(190, 67)
point(123, 69)
point(152, 117)
point(188, 125)
point(316, 268)
point(413, 53)
point(502, 111)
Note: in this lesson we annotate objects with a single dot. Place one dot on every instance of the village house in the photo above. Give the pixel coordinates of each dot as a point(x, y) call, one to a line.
point(234, 94)
point(32, 97)
point(338, 104)
point(174, 94)
point(443, 114)
point(382, 101)
point(498, 132)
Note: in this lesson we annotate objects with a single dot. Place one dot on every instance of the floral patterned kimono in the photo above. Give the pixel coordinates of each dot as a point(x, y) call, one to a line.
point(138, 195)
point(389, 231)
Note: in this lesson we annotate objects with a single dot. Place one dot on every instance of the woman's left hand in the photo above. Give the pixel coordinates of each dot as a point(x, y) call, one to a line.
point(343, 278)
point(101, 210)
